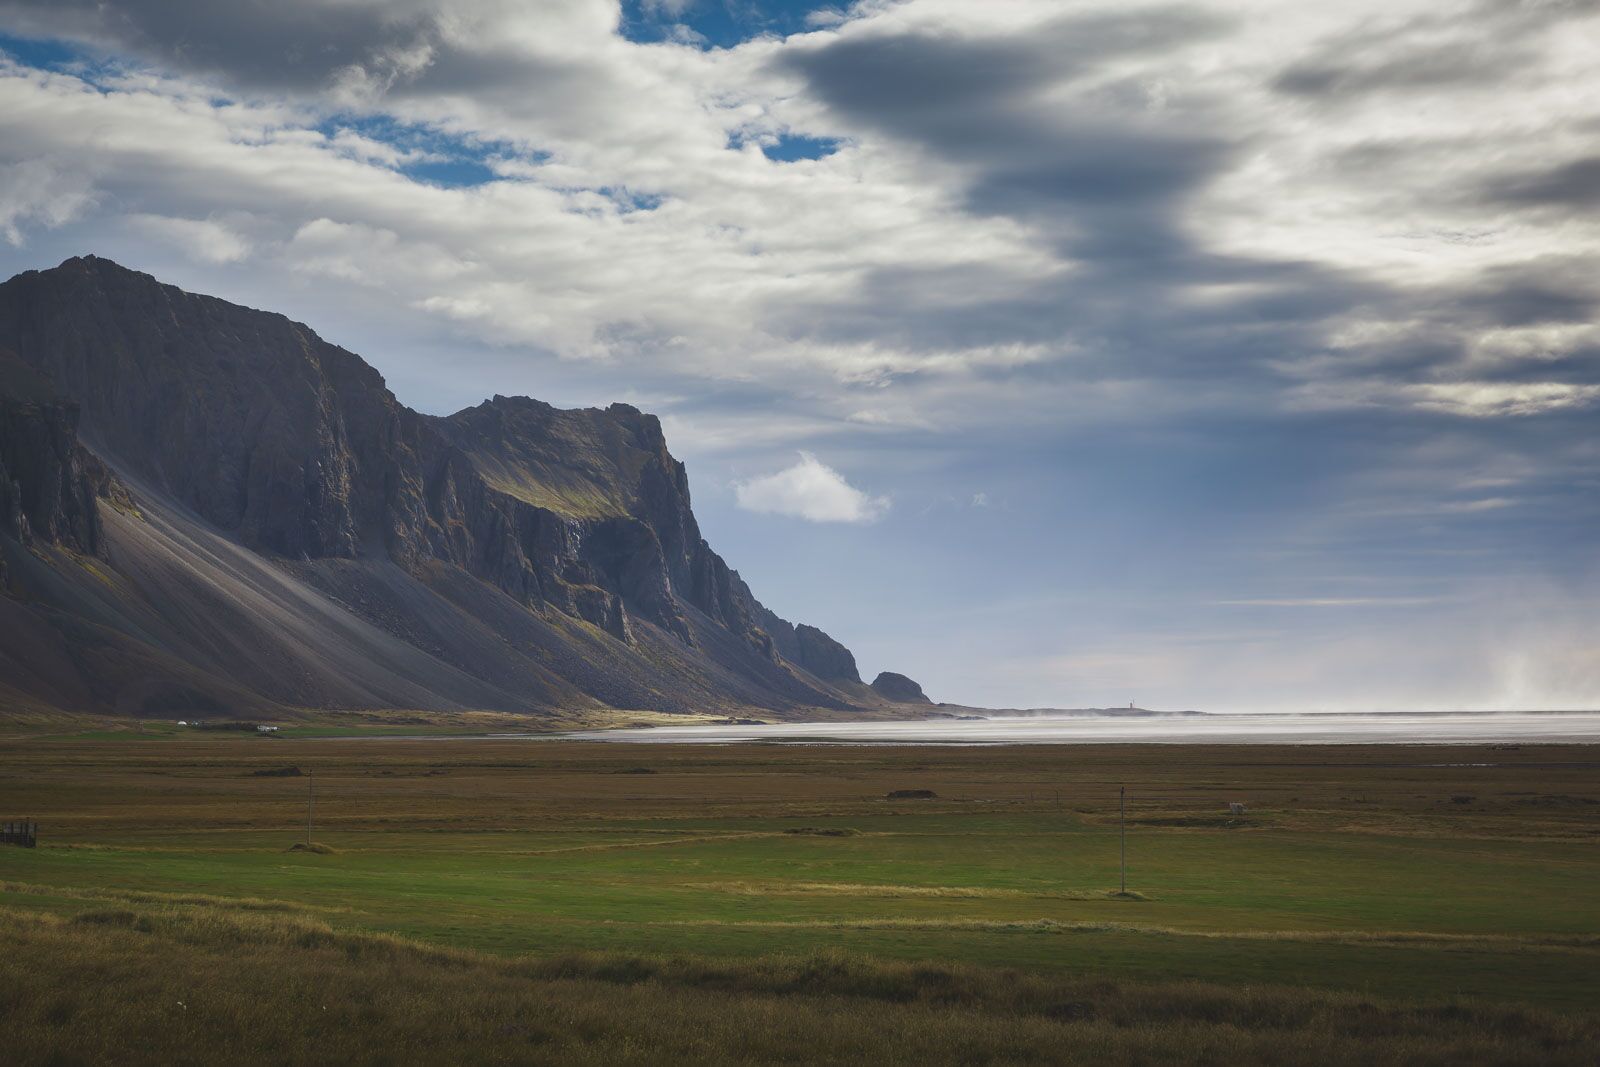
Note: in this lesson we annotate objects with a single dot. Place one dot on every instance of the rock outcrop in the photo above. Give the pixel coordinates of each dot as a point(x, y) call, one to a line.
point(49, 483)
point(806, 646)
point(240, 424)
point(825, 657)
point(899, 688)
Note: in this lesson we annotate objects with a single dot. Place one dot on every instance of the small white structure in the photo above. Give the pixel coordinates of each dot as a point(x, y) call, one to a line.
point(1235, 809)
point(266, 729)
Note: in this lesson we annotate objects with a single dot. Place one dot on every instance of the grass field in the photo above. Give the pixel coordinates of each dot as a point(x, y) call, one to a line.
point(1403, 903)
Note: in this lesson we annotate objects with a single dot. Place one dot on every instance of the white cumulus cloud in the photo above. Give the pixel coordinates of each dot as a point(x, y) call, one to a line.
point(813, 491)
point(34, 190)
point(203, 239)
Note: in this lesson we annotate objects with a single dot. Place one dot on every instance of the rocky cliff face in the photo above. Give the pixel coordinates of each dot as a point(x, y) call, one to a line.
point(296, 449)
point(49, 483)
point(805, 646)
point(899, 688)
point(608, 472)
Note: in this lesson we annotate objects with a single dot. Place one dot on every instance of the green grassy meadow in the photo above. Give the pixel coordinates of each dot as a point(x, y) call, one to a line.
point(1412, 877)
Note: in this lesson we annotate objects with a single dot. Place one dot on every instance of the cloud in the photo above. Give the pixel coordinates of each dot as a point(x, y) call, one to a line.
point(202, 239)
point(367, 255)
point(1035, 122)
point(1466, 49)
point(353, 144)
point(1457, 64)
point(295, 44)
point(1491, 399)
point(35, 191)
point(1022, 203)
point(1575, 184)
point(1331, 602)
point(810, 490)
point(666, 8)
point(1478, 400)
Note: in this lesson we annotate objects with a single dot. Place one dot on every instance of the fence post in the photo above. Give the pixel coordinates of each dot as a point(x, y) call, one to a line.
point(1122, 805)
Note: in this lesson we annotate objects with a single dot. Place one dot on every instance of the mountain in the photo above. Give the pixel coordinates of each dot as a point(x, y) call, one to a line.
point(208, 510)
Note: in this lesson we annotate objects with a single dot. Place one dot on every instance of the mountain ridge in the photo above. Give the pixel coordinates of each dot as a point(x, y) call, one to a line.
point(254, 479)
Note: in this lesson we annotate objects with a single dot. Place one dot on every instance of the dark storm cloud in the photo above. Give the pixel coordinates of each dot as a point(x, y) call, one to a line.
point(1096, 168)
point(903, 81)
point(1046, 131)
point(900, 77)
point(1550, 290)
point(1030, 163)
point(1571, 185)
point(296, 45)
point(931, 308)
point(978, 103)
point(1101, 169)
point(1536, 302)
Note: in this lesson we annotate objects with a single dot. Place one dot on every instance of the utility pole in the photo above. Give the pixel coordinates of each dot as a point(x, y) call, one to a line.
point(1122, 805)
point(311, 803)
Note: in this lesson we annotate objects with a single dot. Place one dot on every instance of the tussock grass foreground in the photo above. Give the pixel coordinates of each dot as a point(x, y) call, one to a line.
point(200, 984)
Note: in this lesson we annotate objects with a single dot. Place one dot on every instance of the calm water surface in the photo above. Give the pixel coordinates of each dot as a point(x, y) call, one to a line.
point(1266, 728)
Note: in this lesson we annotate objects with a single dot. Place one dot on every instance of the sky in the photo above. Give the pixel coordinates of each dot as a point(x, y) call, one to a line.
point(1223, 355)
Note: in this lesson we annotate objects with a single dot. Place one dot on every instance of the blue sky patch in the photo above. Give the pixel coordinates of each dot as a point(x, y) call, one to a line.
point(61, 57)
point(450, 161)
point(457, 173)
point(720, 23)
point(50, 55)
point(792, 147)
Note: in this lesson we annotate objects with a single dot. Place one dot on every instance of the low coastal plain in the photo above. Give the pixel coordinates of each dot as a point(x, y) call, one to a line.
point(551, 902)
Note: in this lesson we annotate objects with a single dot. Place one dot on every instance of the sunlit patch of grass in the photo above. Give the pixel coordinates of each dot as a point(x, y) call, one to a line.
point(136, 896)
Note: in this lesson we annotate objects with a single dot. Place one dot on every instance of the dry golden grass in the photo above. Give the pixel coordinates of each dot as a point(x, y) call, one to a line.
point(136, 896)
